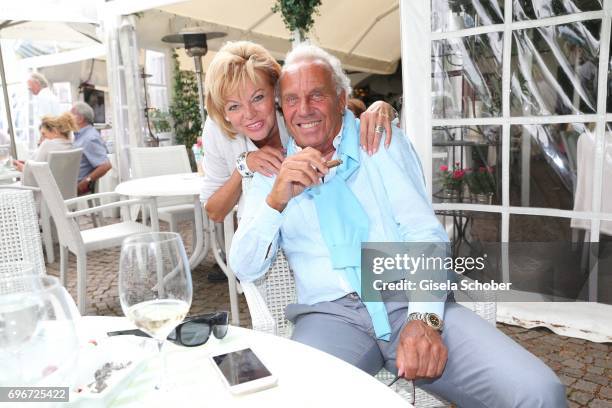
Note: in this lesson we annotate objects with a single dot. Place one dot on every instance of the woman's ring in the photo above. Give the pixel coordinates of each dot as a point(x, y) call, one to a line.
point(379, 129)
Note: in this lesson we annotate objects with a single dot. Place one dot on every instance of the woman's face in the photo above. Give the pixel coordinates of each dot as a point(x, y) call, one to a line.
point(49, 133)
point(251, 111)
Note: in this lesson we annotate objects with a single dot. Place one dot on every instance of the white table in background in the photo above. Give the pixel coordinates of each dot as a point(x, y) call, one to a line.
point(174, 185)
point(187, 184)
point(306, 377)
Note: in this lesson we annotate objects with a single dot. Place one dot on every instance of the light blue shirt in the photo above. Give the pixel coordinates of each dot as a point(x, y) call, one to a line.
point(94, 150)
point(390, 187)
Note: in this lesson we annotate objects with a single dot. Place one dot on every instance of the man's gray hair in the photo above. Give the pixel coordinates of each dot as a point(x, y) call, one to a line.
point(308, 52)
point(84, 110)
point(40, 79)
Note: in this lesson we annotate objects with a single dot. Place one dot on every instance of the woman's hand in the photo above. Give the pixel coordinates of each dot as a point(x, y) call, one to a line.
point(378, 116)
point(266, 161)
point(18, 164)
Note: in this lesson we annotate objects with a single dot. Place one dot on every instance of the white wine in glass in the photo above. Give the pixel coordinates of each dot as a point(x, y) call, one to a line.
point(155, 286)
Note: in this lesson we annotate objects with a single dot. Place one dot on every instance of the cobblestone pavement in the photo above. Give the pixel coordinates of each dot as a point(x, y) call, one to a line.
point(584, 367)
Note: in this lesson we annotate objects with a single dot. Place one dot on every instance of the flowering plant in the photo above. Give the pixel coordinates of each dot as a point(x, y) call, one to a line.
point(452, 179)
point(198, 149)
point(481, 180)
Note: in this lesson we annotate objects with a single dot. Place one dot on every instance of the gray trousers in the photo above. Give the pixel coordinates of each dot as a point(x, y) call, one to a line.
point(485, 368)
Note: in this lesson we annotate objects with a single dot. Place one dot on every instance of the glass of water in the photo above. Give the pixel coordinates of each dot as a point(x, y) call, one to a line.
point(5, 156)
point(38, 337)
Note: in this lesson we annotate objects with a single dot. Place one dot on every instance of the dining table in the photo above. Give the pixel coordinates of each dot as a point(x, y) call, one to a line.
point(306, 376)
point(189, 184)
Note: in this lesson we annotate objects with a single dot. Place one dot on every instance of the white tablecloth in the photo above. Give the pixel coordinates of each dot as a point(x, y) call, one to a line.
point(306, 377)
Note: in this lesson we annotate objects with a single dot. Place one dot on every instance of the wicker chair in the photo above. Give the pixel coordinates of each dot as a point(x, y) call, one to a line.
point(268, 296)
point(19, 231)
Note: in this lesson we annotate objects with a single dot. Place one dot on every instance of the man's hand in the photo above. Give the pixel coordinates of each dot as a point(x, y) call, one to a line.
point(297, 172)
point(266, 161)
point(83, 186)
point(420, 352)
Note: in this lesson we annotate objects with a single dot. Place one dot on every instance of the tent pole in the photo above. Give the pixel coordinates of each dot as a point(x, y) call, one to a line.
point(7, 106)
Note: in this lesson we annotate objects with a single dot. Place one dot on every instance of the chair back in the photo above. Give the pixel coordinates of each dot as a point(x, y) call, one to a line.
point(67, 229)
point(19, 233)
point(159, 161)
point(277, 287)
point(65, 167)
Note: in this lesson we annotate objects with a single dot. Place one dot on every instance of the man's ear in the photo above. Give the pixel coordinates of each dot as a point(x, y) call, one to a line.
point(342, 101)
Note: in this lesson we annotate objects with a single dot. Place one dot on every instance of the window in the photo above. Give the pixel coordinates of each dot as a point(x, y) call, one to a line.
point(157, 83)
point(520, 91)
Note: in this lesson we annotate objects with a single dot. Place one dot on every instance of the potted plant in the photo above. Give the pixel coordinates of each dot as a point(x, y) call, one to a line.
point(162, 127)
point(297, 16)
point(481, 183)
point(452, 182)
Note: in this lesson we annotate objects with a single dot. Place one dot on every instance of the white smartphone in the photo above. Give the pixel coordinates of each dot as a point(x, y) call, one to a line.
point(243, 372)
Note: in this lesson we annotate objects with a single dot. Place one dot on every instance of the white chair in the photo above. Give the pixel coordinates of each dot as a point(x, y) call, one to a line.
point(19, 235)
point(64, 166)
point(80, 242)
point(268, 296)
point(158, 161)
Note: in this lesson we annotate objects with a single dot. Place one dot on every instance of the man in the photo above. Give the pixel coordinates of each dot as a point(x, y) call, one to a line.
point(469, 362)
point(94, 163)
point(45, 101)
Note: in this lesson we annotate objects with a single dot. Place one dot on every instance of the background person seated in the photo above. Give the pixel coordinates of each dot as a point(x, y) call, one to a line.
point(55, 135)
point(94, 163)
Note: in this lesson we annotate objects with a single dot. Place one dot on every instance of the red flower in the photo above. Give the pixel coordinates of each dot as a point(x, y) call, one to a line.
point(443, 167)
point(199, 142)
point(458, 174)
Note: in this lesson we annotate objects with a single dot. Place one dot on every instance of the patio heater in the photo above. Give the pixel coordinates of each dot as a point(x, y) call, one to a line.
point(194, 41)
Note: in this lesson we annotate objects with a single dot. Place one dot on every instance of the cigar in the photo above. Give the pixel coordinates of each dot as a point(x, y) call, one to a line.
point(333, 163)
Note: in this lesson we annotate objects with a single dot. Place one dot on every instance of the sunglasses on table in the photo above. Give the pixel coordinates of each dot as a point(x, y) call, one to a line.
point(193, 331)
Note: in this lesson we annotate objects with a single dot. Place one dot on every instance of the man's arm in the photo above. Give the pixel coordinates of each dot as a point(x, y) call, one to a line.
point(420, 352)
point(101, 170)
point(255, 243)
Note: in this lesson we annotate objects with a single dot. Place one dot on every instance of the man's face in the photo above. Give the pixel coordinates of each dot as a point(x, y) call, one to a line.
point(312, 109)
point(33, 86)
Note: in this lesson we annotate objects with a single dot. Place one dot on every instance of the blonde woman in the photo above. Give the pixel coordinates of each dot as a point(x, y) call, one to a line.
point(245, 132)
point(55, 135)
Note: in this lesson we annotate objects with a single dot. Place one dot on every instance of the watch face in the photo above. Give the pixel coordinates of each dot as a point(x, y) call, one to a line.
point(434, 320)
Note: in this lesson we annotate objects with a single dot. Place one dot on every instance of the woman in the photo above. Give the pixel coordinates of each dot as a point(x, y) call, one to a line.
point(55, 135)
point(245, 133)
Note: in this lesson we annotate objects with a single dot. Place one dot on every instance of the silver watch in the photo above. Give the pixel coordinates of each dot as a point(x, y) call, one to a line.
point(430, 319)
point(241, 165)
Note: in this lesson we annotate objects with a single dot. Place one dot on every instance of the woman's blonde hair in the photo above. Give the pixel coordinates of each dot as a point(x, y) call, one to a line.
point(234, 65)
point(63, 123)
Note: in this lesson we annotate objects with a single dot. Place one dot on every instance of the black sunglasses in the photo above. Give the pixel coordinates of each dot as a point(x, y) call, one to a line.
point(193, 331)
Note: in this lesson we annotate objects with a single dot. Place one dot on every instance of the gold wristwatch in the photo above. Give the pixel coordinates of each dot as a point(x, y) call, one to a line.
point(430, 319)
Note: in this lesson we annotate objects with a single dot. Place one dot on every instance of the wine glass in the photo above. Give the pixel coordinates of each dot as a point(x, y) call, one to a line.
point(155, 287)
point(38, 338)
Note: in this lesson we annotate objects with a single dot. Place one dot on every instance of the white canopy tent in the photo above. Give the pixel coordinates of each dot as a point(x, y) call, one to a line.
point(355, 37)
point(70, 21)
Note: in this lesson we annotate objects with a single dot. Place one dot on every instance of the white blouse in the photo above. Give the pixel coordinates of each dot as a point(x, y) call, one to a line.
point(220, 154)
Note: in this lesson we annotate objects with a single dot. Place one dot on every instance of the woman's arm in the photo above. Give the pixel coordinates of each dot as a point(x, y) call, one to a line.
point(379, 113)
point(225, 198)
